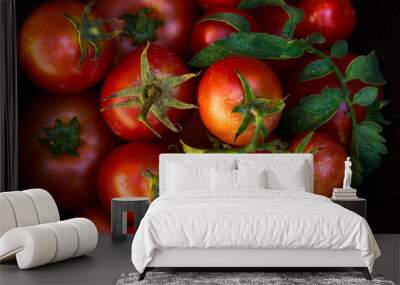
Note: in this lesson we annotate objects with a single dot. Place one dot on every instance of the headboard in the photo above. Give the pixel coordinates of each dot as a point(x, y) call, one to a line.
point(211, 158)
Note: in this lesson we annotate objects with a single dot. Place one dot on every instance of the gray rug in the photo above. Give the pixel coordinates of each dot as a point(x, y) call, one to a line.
point(243, 278)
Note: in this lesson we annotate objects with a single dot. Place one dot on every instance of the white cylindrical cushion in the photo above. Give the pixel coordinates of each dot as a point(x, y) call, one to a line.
point(23, 208)
point(87, 233)
point(37, 245)
point(67, 240)
point(7, 218)
point(33, 246)
point(45, 205)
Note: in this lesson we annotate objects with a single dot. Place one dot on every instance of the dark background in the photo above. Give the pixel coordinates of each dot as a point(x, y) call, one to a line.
point(378, 28)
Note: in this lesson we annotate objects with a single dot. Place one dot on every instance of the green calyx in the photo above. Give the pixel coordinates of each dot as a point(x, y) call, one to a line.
point(140, 26)
point(90, 33)
point(275, 146)
point(155, 183)
point(63, 138)
point(254, 109)
point(153, 96)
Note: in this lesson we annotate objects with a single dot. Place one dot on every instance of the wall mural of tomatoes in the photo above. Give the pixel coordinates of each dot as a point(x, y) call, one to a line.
point(117, 82)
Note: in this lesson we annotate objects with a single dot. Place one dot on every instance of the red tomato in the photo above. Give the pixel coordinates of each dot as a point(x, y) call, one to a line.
point(122, 172)
point(100, 217)
point(207, 32)
point(340, 126)
point(335, 19)
point(329, 157)
point(49, 50)
point(125, 121)
point(221, 90)
point(211, 4)
point(66, 164)
point(271, 19)
point(177, 16)
point(194, 134)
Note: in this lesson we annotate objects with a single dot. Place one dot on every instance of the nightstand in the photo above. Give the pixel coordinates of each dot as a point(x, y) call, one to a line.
point(358, 206)
point(119, 209)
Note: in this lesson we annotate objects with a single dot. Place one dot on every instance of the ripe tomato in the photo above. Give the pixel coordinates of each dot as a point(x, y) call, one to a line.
point(194, 134)
point(63, 156)
point(211, 4)
point(221, 90)
point(335, 19)
point(340, 125)
point(100, 217)
point(207, 32)
point(270, 19)
point(125, 121)
point(122, 172)
point(169, 23)
point(49, 50)
point(329, 157)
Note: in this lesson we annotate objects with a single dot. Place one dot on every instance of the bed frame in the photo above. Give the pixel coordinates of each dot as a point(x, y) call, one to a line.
point(242, 259)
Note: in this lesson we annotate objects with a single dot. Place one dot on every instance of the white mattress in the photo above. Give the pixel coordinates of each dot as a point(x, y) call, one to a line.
point(251, 219)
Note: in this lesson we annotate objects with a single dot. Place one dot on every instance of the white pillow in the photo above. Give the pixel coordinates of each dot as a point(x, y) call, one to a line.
point(183, 178)
point(291, 179)
point(251, 178)
point(287, 175)
point(223, 179)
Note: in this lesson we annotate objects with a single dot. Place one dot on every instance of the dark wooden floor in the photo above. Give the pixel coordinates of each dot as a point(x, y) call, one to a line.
point(110, 260)
point(103, 266)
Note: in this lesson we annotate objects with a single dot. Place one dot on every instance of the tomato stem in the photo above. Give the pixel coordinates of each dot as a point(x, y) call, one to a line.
point(155, 183)
point(141, 26)
point(63, 138)
point(90, 33)
point(345, 93)
point(153, 95)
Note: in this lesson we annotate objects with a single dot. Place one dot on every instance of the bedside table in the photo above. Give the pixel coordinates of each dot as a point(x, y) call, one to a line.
point(358, 206)
point(119, 209)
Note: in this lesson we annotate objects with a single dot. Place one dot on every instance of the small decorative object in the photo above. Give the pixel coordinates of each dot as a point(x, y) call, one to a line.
point(119, 209)
point(347, 174)
point(347, 192)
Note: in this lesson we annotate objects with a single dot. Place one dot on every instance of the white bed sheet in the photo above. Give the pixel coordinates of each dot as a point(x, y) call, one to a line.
point(251, 218)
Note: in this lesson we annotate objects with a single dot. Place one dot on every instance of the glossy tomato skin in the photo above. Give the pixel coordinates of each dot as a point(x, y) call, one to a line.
point(194, 134)
point(212, 4)
point(329, 157)
point(207, 32)
point(121, 173)
point(340, 125)
point(220, 90)
point(124, 121)
point(270, 19)
point(49, 51)
point(335, 19)
point(71, 180)
point(178, 17)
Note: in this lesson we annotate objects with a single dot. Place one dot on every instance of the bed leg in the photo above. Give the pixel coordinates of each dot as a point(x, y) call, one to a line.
point(365, 272)
point(143, 274)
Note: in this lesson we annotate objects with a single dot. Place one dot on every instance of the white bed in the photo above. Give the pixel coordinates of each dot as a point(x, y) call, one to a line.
point(250, 226)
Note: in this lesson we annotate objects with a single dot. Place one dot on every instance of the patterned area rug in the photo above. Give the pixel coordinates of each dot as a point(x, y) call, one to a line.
point(243, 278)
